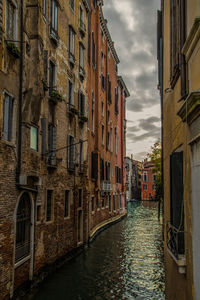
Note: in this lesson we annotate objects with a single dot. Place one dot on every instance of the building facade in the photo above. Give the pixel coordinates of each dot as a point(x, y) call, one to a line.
point(107, 93)
point(178, 54)
point(148, 186)
point(49, 80)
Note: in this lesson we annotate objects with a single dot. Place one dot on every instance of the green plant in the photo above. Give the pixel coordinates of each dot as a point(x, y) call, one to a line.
point(56, 95)
point(45, 84)
point(13, 49)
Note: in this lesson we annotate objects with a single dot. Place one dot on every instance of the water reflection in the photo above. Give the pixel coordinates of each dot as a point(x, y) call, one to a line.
point(124, 262)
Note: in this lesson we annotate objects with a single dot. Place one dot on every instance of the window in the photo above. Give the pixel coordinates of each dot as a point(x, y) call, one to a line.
point(116, 150)
point(94, 4)
point(54, 17)
point(71, 4)
point(52, 136)
point(114, 208)
point(94, 165)
point(80, 198)
point(92, 203)
point(102, 59)
point(102, 36)
point(80, 225)
point(93, 51)
point(52, 76)
point(71, 44)
point(34, 138)
point(103, 82)
point(154, 177)
point(71, 152)
point(144, 187)
point(116, 101)
point(10, 20)
point(66, 206)
point(70, 94)
point(81, 57)
point(108, 116)
point(38, 213)
point(7, 117)
point(49, 205)
point(81, 155)
point(145, 177)
point(109, 91)
point(154, 187)
point(109, 52)
point(81, 104)
point(23, 228)
point(93, 116)
point(109, 202)
point(102, 134)
point(102, 108)
point(101, 169)
point(120, 199)
point(108, 170)
point(103, 201)
point(45, 7)
point(111, 139)
point(82, 25)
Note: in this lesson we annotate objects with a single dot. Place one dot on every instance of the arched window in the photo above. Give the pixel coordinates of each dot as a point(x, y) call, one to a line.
point(23, 225)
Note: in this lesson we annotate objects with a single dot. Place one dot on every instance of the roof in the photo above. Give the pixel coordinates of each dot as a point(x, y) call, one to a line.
point(120, 79)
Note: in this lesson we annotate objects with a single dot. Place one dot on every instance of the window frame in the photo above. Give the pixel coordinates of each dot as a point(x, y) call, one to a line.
point(47, 218)
point(9, 122)
point(68, 193)
point(54, 17)
point(15, 20)
point(32, 136)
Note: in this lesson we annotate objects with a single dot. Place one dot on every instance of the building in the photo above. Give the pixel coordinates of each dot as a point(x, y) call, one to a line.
point(107, 94)
point(129, 175)
point(148, 186)
point(136, 179)
point(178, 27)
point(53, 107)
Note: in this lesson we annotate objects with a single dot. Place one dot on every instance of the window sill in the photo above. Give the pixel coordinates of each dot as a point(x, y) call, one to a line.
point(67, 218)
point(180, 261)
point(22, 261)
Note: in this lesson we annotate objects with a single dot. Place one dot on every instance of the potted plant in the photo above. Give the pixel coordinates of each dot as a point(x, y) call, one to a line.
point(56, 95)
point(13, 49)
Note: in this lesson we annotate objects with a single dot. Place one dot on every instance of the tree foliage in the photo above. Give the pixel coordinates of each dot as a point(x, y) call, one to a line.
point(155, 156)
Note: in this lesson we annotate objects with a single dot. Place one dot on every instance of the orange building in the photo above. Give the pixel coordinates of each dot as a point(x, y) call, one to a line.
point(104, 138)
point(148, 187)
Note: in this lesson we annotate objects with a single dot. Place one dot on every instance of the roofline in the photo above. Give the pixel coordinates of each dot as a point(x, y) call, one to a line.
point(120, 79)
point(103, 23)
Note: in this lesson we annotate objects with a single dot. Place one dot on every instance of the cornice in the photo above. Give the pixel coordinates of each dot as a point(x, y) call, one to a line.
point(190, 109)
point(103, 23)
point(192, 39)
point(120, 79)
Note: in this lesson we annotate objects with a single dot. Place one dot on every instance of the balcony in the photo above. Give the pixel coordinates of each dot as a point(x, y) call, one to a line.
point(176, 246)
point(106, 186)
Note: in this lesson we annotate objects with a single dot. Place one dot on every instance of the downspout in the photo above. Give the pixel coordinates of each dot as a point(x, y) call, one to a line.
point(19, 145)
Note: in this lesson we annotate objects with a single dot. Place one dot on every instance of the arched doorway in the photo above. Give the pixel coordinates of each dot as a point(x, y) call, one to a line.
point(23, 228)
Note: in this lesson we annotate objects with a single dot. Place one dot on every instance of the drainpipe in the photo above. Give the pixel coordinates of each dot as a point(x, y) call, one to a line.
point(18, 169)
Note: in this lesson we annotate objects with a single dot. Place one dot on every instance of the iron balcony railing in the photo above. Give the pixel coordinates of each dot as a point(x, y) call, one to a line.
point(175, 241)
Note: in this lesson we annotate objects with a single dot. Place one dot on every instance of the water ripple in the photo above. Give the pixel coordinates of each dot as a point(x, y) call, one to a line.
point(124, 262)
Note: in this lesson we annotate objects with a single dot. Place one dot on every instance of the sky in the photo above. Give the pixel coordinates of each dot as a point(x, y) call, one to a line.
point(133, 28)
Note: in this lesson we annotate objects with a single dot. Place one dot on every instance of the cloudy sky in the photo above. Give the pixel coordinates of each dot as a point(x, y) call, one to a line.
point(132, 24)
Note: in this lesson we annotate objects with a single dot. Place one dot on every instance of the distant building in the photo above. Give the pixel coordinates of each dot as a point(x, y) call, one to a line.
point(148, 187)
point(133, 178)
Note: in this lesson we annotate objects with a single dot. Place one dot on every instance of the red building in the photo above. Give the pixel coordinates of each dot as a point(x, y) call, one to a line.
point(148, 187)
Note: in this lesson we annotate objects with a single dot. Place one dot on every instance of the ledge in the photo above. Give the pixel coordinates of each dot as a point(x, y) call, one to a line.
point(105, 224)
point(190, 108)
point(181, 262)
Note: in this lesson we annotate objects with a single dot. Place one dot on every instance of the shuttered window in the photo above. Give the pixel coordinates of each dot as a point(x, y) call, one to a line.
point(10, 20)
point(81, 104)
point(45, 57)
point(71, 152)
point(71, 44)
point(94, 165)
point(52, 75)
point(102, 169)
point(81, 56)
point(66, 206)
point(43, 125)
point(7, 117)
point(176, 199)
point(49, 205)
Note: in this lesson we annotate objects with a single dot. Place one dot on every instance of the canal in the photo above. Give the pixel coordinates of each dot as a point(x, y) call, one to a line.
point(124, 262)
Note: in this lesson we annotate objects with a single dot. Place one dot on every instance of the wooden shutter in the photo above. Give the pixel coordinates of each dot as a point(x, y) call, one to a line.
point(1, 19)
point(43, 124)
point(94, 158)
point(45, 64)
point(176, 190)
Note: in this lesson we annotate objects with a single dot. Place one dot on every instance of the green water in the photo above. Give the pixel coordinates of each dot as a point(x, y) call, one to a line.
point(124, 262)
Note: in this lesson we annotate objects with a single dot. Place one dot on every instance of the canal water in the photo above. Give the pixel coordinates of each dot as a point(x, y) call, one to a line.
point(124, 262)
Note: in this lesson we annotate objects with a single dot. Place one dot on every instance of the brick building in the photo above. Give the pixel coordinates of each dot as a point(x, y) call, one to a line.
point(107, 93)
point(54, 65)
point(148, 187)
